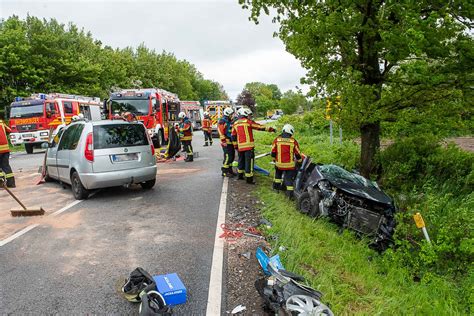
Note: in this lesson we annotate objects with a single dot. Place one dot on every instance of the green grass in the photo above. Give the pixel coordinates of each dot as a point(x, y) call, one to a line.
point(353, 278)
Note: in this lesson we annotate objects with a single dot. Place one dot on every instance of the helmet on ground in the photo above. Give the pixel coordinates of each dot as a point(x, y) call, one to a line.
point(228, 111)
point(181, 115)
point(289, 129)
point(153, 303)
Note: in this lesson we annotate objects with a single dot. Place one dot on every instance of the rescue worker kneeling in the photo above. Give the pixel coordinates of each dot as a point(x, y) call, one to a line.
point(242, 133)
point(285, 152)
point(186, 135)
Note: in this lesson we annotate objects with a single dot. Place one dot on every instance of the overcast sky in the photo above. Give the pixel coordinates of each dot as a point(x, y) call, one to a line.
point(215, 35)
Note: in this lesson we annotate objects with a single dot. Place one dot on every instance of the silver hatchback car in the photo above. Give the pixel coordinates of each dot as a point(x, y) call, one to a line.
point(99, 154)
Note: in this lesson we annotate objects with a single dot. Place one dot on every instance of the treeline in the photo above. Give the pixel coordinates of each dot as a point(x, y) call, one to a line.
point(47, 56)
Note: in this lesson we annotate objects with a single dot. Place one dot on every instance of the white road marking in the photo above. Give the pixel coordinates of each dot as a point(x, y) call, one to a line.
point(30, 227)
point(17, 234)
point(214, 298)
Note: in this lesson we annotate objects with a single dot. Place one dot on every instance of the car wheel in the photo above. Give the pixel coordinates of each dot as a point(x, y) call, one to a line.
point(29, 148)
point(147, 185)
point(80, 193)
point(307, 207)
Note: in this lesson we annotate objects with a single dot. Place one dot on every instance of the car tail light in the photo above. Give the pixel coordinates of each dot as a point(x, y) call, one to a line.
point(89, 151)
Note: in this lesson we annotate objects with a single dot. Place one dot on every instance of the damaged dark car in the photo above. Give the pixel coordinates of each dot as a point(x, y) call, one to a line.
point(348, 199)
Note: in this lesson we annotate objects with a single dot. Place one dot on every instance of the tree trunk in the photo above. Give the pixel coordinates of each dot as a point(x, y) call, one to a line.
point(370, 145)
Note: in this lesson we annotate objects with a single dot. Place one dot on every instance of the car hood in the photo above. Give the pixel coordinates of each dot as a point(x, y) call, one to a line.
point(354, 184)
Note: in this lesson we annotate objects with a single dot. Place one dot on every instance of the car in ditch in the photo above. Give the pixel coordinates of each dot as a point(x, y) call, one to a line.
point(98, 154)
point(348, 199)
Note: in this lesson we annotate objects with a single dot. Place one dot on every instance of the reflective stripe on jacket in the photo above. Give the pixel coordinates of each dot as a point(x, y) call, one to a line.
point(186, 130)
point(4, 129)
point(284, 151)
point(242, 133)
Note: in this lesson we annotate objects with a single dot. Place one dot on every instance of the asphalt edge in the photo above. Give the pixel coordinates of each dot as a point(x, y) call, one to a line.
point(214, 299)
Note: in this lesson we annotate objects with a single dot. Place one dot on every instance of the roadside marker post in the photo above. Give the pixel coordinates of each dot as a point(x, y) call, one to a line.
point(420, 223)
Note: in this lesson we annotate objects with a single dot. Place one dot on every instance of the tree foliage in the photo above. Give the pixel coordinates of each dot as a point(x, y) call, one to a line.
point(383, 57)
point(46, 56)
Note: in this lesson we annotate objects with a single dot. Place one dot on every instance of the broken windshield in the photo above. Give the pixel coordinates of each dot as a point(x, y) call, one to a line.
point(336, 172)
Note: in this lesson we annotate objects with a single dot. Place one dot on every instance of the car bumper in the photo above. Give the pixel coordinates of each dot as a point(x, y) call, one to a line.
point(29, 137)
point(117, 178)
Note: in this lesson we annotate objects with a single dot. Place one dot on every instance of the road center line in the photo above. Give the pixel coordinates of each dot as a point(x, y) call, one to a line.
point(214, 298)
point(30, 227)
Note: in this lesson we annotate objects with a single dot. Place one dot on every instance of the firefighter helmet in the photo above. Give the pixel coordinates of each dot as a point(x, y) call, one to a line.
point(241, 112)
point(289, 129)
point(206, 113)
point(182, 115)
point(228, 111)
point(247, 112)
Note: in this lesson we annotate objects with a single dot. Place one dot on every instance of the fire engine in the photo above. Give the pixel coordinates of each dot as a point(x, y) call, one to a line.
point(216, 111)
point(31, 118)
point(155, 108)
point(194, 111)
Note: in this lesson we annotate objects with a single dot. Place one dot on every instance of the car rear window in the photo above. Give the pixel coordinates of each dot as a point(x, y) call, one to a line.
point(119, 135)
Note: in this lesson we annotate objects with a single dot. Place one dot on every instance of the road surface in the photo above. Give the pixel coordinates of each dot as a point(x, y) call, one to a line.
point(74, 262)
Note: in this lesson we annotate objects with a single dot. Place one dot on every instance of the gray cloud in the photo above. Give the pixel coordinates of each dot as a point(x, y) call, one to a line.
point(214, 35)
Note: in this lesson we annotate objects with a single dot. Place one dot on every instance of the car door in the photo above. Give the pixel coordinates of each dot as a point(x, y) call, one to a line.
point(66, 144)
point(51, 163)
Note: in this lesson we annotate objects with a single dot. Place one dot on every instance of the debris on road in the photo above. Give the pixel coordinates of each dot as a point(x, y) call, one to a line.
point(156, 294)
point(266, 223)
point(246, 255)
point(238, 309)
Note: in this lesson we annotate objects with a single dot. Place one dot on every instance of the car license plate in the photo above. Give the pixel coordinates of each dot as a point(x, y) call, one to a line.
point(27, 135)
point(124, 157)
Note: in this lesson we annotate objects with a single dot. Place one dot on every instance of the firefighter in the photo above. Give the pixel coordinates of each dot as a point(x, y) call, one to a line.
point(207, 129)
point(286, 152)
point(6, 170)
point(224, 128)
point(242, 134)
point(186, 135)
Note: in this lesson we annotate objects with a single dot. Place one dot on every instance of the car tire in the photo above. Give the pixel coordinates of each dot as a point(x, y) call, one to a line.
point(78, 190)
point(29, 148)
point(306, 206)
point(147, 185)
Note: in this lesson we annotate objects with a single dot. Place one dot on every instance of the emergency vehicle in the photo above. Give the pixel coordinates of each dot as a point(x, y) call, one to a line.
point(194, 112)
point(155, 108)
point(31, 118)
point(216, 111)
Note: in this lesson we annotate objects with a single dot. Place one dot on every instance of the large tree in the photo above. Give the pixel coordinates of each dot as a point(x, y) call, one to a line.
point(380, 56)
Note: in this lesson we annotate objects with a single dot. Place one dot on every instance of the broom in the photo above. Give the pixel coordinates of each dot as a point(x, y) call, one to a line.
point(21, 212)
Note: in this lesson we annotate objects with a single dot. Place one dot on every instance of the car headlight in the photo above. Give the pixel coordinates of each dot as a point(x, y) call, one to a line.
point(43, 133)
point(12, 136)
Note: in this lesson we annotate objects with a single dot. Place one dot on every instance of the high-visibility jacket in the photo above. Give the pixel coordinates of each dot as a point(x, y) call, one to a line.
point(207, 125)
point(285, 150)
point(186, 130)
point(4, 129)
point(242, 133)
point(224, 127)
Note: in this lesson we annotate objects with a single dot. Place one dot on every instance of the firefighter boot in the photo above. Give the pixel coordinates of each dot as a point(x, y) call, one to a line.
point(11, 182)
point(250, 180)
point(241, 176)
point(189, 158)
point(206, 144)
point(276, 186)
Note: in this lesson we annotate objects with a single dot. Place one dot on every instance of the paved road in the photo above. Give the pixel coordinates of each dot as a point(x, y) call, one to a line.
point(74, 263)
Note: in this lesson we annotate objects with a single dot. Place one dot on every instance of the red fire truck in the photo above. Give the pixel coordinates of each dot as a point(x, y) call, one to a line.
point(194, 111)
point(155, 108)
point(216, 111)
point(32, 117)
